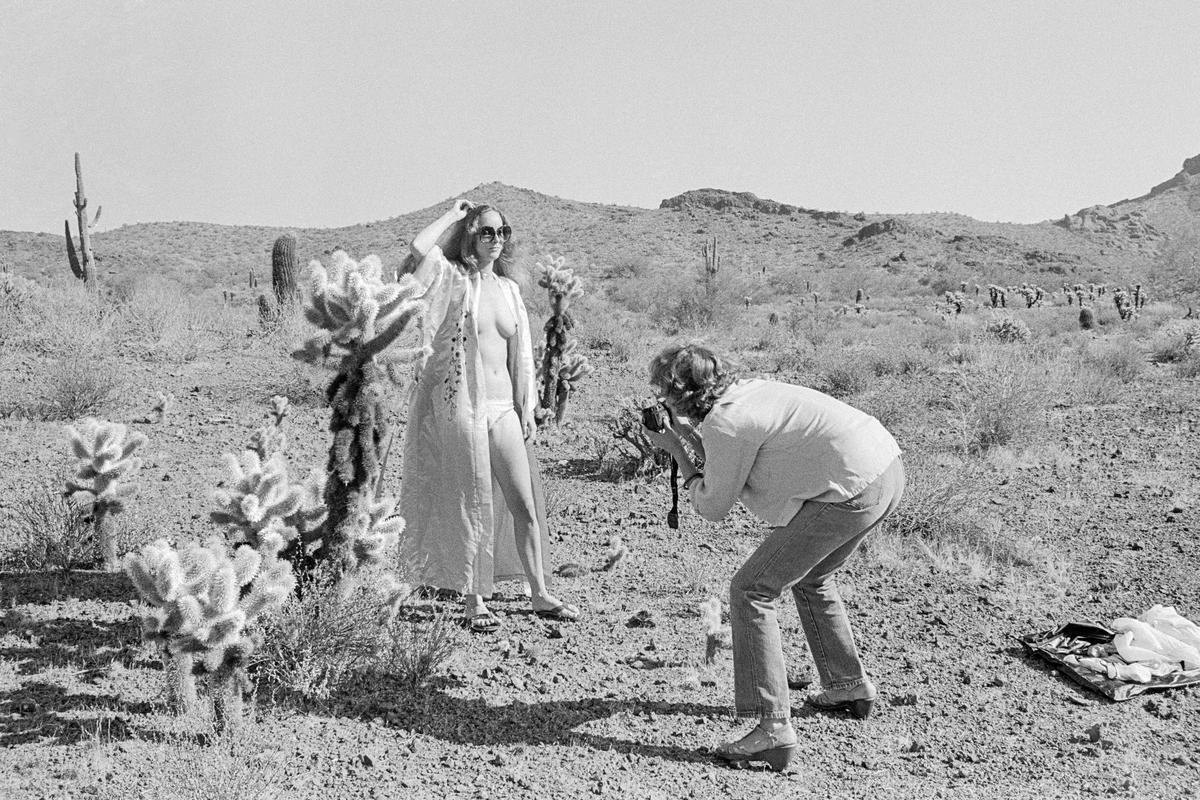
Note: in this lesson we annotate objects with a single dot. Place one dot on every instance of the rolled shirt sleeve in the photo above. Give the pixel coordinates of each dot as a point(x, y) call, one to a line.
point(728, 459)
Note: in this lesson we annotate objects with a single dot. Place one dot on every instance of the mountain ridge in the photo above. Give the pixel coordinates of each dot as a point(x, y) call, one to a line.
point(755, 235)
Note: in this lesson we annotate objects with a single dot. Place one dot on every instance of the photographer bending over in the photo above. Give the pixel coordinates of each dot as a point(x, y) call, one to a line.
point(822, 474)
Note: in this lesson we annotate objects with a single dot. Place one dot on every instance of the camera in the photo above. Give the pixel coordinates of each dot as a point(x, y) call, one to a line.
point(656, 417)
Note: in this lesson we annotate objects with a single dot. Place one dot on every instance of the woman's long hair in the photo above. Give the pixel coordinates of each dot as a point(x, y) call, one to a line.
point(461, 249)
point(505, 263)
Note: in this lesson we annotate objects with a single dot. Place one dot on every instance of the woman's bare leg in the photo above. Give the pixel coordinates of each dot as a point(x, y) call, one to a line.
point(510, 466)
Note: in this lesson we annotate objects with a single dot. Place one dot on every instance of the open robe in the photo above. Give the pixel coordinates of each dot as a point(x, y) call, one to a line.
point(459, 533)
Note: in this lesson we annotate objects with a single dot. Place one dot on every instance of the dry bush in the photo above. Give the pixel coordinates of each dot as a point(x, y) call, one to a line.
point(319, 639)
point(158, 320)
point(843, 380)
point(1175, 341)
point(415, 649)
point(56, 321)
point(334, 632)
point(50, 533)
point(941, 523)
point(1120, 360)
point(241, 762)
point(1188, 367)
point(633, 454)
point(999, 401)
point(77, 387)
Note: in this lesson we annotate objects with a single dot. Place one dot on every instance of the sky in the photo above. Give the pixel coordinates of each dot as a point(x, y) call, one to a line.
point(322, 114)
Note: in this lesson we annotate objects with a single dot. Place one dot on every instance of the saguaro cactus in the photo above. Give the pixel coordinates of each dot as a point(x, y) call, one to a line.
point(204, 597)
point(283, 272)
point(361, 317)
point(712, 265)
point(107, 461)
point(562, 286)
point(83, 264)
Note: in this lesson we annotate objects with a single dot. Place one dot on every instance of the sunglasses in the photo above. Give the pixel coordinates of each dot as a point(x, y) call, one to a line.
point(488, 234)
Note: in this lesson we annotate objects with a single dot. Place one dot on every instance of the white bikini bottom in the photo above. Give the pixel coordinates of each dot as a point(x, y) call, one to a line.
point(496, 411)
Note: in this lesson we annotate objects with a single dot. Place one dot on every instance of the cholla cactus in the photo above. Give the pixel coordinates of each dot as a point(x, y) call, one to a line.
point(379, 533)
point(259, 495)
point(573, 368)
point(107, 462)
point(559, 369)
point(716, 635)
point(270, 438)
point(1008, 329)
point(204, 598)
point(362, 317)
point(163, 404)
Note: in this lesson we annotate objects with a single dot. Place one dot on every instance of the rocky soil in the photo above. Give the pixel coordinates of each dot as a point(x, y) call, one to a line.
point(620, 704)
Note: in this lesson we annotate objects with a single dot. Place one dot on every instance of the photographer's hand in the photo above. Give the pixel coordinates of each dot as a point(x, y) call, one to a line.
point(669, 441)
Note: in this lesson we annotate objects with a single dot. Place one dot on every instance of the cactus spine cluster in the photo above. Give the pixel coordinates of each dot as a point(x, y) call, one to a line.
point(107, 461)
point(204, 597)
point(561, 367)
point(83, 263)
point(361, 316)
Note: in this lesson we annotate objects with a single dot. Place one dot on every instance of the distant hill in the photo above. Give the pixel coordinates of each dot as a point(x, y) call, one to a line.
point(1103, 242)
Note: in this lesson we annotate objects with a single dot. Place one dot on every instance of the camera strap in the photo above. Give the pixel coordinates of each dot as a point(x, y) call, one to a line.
point(673, 514)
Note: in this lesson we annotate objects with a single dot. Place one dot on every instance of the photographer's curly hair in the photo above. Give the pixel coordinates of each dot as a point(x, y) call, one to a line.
point(692, 377)
point(505, 263)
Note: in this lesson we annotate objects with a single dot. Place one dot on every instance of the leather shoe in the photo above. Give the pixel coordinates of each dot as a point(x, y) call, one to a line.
point(775, 749)
point(859, 709)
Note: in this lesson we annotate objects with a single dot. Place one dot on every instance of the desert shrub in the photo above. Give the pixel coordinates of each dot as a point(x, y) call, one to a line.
point(941, 523)
point(335, 630)
point(77, 387)
point(844, 380)
point(57, 321)
point(888, 401)
point(240, 762)
point(1188, 367)
point(1008, 329)
point(1175, 341)
point(319, 638)
point(1119, 360)
point(633, 454)
point(159, 320)
point(414, 649)
point(997, 402)
point(50, 533)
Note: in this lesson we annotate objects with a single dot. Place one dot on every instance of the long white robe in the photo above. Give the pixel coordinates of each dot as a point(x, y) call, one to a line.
point(459, 533)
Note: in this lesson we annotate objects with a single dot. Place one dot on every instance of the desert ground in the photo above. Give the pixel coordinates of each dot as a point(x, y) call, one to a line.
point(1054, 476)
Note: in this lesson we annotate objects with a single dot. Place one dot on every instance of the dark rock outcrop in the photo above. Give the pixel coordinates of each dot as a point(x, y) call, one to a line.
point(875, 229)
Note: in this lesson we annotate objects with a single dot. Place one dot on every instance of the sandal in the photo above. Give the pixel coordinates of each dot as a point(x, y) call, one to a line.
point(483, 622)
point(563, 612)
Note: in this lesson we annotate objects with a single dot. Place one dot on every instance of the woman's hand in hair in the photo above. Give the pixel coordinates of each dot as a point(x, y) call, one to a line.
point(460, 208)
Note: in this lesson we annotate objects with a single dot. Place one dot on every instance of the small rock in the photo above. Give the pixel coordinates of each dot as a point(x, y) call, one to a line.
point(641, 619)
point(554, 632)
point(998, 681)
point(497, 761)
point(1094, 733)
point(366, 760)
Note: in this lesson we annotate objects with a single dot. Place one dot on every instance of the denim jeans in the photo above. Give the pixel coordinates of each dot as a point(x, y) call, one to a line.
point(802, 556)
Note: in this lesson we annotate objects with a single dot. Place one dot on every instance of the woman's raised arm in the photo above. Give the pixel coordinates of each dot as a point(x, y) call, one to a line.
point(427, 238)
